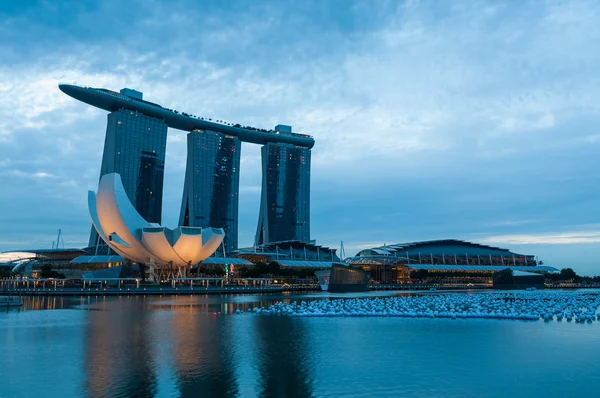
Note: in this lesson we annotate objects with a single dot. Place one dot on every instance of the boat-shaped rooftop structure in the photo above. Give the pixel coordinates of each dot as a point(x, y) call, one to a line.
point(127, 99)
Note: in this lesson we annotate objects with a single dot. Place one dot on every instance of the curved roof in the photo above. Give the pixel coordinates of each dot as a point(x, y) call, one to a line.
point(311, 264)
point(226, 260)
point(112, 101)
point(13, 257)
point(451, 267)
point(443, 246)
point(292, 250)
point(98, 259)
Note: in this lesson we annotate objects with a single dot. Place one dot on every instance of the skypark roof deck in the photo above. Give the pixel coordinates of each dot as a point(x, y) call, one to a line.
point(112, 101)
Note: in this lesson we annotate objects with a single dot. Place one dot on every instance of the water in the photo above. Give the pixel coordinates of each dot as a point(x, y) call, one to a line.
point(174, 346)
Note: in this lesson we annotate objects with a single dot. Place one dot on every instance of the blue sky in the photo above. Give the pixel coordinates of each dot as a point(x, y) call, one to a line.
point(476, 120)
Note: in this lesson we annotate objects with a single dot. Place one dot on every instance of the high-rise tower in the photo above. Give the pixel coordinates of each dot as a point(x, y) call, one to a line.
point(212, 181)
point(285, 199)
point(135, 147)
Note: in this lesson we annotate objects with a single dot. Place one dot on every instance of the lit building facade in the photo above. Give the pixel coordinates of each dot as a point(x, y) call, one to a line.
point(126, 232)
point(285, 199)
point(212, 180)
point(134, 147)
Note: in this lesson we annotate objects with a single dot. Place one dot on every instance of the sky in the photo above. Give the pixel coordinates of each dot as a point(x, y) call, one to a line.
point(473, 120)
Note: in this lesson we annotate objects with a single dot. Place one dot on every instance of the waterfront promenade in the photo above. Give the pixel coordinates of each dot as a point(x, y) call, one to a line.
point(135, 287)
point(135, 291)
point(202, 286)
point(132, 287)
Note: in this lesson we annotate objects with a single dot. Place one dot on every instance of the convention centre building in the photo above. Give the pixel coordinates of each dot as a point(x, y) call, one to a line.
point(398, 263)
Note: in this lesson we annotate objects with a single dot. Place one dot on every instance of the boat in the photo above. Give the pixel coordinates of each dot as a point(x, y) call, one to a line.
point(323, 278)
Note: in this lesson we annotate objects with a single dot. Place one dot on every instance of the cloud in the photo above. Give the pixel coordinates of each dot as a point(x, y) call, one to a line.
point(22, 174)
point(513, 223)
point(431, 120)
point(553, 238)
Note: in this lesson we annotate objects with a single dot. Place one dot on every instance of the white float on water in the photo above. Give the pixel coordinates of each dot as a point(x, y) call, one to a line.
point(534, 305)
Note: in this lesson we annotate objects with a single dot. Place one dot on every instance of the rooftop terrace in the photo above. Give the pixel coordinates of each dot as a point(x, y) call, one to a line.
point(111, 101)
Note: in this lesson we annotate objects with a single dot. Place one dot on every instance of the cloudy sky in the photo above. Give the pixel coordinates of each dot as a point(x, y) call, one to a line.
point(475, 120)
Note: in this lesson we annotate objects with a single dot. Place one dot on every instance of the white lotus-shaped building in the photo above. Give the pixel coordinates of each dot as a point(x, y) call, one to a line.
point(126, 232)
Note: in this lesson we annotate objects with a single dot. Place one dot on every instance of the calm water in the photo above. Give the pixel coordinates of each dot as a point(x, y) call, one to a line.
point(174, 346)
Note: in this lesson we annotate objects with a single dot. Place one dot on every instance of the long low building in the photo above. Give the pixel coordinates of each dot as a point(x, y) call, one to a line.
point(394, 263)
point(291, 253)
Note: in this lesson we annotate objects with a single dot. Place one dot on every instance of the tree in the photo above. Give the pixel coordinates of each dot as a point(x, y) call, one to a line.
point(212, 271)
point(419, 274)
point(47, 272)
point(274, 268)
point(567, 274)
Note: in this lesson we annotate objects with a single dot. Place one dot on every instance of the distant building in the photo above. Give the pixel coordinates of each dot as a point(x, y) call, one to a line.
point(508, 279)
point(394, 263)
point(30, 262)
point(212, 182)
point(291, 253)
point(285, 198)
point(343, 279)
point(283, 128)
point(132, 93)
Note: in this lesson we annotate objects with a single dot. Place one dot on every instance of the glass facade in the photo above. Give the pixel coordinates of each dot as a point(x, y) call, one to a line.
point(285, 200)
point(135, 147)
point(212, 180)
point(344, 279)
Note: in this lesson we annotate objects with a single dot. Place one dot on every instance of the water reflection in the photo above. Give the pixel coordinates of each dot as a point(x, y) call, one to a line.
point(174, 346)
point(128, 340)
point(203, 355)
point(118, 358)
point(45, 303)
point(284, 357)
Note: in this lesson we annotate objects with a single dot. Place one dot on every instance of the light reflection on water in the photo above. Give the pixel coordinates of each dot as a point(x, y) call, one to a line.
point(175, 346)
